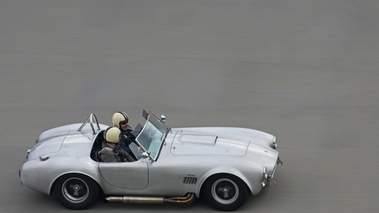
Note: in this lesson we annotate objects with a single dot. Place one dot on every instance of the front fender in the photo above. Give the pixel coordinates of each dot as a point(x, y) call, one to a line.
point(249, 179)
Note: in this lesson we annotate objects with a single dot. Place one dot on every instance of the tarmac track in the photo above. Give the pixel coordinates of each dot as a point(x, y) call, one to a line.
point(305, 71)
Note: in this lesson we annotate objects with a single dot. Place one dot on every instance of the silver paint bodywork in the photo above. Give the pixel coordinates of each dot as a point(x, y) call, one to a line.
point(187, 157)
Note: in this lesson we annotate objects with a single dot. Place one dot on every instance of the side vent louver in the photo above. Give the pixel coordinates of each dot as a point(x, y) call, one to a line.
point(189, 180)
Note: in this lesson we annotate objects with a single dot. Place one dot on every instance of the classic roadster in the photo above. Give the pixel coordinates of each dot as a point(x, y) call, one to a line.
point(222, 165)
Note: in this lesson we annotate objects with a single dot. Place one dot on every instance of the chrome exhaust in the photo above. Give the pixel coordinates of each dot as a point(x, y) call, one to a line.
point(187, 199)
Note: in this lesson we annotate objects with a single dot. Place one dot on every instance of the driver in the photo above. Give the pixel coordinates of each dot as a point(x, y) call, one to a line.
point(111, 152)
point(121, 121)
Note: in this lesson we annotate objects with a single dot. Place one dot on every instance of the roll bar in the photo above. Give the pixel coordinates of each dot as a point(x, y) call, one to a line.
point(92, 120)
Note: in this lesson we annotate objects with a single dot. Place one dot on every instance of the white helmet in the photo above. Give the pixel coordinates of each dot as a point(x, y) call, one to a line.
point(112, 135)
point(119, 117)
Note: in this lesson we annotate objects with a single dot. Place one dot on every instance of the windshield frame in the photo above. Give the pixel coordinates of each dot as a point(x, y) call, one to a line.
point(152, 136)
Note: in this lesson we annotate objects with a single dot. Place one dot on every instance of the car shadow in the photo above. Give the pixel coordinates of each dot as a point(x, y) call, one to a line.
point(196, 205)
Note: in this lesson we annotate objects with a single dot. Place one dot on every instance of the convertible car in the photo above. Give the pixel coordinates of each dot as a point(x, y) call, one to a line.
point(222, 165)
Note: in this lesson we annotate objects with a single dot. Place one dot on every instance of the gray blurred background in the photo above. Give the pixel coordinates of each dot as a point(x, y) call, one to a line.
point(303, 70)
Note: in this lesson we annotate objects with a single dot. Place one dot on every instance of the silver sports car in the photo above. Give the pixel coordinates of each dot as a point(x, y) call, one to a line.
point(222, 165)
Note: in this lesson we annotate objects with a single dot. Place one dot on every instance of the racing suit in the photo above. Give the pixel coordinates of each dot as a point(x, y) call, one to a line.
point(126, 138)
point(117, 154)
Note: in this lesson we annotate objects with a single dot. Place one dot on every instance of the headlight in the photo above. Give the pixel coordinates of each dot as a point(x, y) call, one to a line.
point(266, 178)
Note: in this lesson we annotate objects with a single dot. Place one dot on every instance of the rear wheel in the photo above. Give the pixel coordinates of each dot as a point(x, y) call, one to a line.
point(225, 192)
point(75, 191)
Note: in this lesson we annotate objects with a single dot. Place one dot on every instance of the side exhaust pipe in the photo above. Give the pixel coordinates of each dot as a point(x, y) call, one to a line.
point(187, 199)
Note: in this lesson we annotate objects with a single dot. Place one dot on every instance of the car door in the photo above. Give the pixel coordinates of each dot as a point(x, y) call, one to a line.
point(125, 175)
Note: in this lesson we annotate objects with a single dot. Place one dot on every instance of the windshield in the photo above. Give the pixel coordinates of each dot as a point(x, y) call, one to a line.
point(152, 135)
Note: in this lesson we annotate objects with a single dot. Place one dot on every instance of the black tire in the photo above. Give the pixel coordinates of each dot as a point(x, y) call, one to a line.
point(75, 191)
point(225, 192)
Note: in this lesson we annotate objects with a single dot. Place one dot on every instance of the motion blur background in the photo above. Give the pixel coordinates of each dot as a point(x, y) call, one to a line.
point(303, 70)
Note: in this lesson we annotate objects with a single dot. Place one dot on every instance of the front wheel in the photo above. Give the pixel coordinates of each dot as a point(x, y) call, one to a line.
point(225, 192)
point(76, 191)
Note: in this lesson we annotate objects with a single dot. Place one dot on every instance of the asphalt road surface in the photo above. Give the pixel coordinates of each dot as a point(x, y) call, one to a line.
point(306, 71)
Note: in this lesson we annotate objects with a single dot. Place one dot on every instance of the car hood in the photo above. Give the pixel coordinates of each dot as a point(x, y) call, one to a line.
point(229, 141)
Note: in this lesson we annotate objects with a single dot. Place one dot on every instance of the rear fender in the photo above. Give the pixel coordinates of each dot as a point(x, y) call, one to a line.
point(69, 165)
point(72, 173)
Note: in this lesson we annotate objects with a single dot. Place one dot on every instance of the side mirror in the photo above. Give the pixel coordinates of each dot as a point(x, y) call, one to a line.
point(145, 114)
point(145, 155)
point(163, 118)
